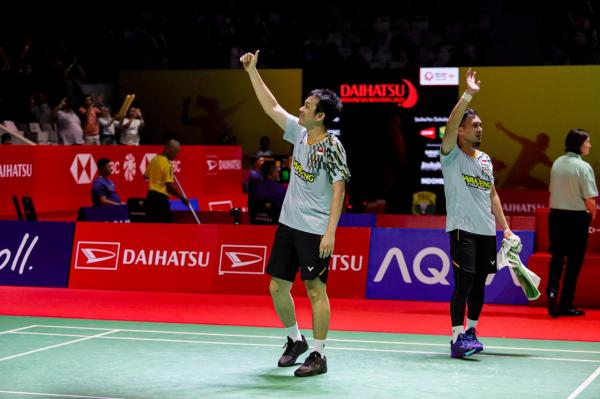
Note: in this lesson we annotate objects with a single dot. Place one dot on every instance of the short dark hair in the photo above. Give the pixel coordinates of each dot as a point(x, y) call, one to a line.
point(575, 138)
point(6, 137)
point(329, 103)
point(102, 162)
point(469, 112)
point(267, 168)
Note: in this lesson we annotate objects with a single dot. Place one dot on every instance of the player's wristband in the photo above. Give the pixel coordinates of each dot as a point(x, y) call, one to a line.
point(467, 97)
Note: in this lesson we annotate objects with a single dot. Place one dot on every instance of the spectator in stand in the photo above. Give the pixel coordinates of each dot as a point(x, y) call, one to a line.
point(40, 108)
point(264, 150)
point(91, 127)
point(107, 126)
point(103, 189)
point(254, 174)
point(265, 198)
point(131, 127)
point(6, 139)
point(68, 123)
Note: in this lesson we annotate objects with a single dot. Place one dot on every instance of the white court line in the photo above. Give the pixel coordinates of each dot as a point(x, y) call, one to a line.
point(57, 345)
point(17, 329)
point(100, 336)
point(584, 384)
point(328, 339)
point(56, 395)
point(48, 334)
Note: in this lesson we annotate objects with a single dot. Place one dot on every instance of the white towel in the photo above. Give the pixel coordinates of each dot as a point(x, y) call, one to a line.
point(509, 256)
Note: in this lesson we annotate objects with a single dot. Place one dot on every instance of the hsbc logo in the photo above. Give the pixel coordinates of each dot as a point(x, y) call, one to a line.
point(83, 168)
point(97, 255)
point(242, 259)
point(145, 161)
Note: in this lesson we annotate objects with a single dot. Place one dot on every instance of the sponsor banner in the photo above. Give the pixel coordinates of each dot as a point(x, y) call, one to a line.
point(151, 257)
point(415, 264)
point(35, 254)
point(523, 202)
point(59, 178)
point(403, 93)
point(438, 76)
point(227, 259)
point(357, 220)
point(244, 256)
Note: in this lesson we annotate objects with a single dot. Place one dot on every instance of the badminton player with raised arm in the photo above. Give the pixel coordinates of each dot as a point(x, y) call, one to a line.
point(473, 207)
point(310, 213)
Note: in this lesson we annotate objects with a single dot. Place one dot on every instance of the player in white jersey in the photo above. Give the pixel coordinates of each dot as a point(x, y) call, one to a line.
point(309, 216)
point(473, 207)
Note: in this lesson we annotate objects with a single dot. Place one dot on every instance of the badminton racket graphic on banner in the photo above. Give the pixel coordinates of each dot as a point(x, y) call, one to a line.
point(191, 208)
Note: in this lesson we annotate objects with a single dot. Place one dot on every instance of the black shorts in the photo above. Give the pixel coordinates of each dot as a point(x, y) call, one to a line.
point(157, 208)
point(473, 253)
point(293, 249)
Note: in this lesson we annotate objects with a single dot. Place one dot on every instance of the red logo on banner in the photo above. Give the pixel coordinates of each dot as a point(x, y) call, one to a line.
point(211, 164)
point(403, 94)
point(428, 133)
point(97, 255)
point(243, 259)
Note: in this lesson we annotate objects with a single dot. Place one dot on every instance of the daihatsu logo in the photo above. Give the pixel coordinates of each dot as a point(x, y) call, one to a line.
point(243, 259)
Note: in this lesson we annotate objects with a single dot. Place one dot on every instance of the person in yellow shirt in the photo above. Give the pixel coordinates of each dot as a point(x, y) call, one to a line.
point(160, 185)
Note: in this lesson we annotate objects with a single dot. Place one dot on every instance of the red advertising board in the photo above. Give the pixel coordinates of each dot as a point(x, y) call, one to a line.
point(523, 202)
point(243, 255)
point(58, 178)
point(146, 257)
point(245, 251)
point(229, 259)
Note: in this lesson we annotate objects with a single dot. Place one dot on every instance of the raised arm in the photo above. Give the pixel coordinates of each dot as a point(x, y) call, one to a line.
point(451, 134)
point(265, 97)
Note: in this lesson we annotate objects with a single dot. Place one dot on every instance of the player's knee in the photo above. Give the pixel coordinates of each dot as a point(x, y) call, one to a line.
point(277, 289)
point(315, 291)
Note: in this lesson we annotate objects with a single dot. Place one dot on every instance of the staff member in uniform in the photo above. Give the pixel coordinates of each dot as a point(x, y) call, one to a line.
point(103, 188)
point(160, 184)
point(573, 195)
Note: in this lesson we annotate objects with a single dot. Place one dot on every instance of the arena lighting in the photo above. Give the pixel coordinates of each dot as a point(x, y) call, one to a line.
point(403, 94)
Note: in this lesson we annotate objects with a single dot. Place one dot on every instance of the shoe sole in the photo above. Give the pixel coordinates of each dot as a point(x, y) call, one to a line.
point(467, 353)
point(311, 374)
